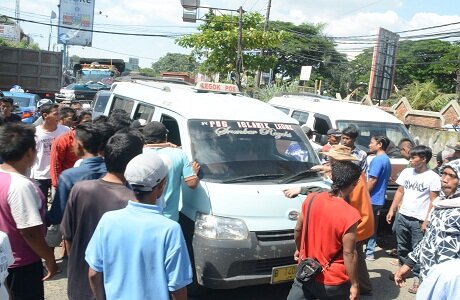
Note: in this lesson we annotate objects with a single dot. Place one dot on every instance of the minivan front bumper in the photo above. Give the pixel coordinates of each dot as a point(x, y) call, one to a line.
point(224, 264)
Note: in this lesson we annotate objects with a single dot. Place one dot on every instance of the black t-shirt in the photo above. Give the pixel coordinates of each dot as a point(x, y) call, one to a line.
point(88, 201)
point(12, 118)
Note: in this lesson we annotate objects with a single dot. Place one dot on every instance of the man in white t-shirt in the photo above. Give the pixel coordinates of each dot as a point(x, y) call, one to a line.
point(45, 135)
point(6, 260)
point(418, 187)
point(22, 214)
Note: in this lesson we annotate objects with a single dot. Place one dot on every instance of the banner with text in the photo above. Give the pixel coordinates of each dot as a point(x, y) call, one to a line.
point(76, 22)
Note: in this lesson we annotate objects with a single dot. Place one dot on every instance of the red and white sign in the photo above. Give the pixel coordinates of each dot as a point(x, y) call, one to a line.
point(217, 87)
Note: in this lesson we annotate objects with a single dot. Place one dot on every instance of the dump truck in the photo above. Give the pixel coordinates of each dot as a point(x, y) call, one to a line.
point(36, 71)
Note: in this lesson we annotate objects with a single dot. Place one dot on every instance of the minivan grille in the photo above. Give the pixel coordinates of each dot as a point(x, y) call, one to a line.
point(276, 235)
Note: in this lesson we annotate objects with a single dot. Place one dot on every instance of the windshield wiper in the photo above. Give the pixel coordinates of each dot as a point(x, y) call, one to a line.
point(292, 177)
point(252, 177)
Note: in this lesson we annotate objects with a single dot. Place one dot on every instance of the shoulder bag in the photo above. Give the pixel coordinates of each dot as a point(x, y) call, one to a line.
point(310, 267)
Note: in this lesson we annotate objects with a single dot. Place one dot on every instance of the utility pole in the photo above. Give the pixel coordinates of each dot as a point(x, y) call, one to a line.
point(267, 17)
point(239, 54)
point(17, 12)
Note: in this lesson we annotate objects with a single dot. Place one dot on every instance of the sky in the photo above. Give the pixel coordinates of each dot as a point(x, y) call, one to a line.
point(341, 18)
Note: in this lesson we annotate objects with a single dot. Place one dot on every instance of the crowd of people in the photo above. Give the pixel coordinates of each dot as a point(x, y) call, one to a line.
point(424, 213)
point(108, 189)
point(58, 181)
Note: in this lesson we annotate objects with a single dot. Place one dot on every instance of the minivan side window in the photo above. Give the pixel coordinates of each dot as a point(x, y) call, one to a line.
point(173, 128)
point(300, 116)
point(123, 103)
point(101, 103)
point(144, 111)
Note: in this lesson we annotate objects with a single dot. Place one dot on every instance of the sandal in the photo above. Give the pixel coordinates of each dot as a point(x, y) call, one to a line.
point(413, 289)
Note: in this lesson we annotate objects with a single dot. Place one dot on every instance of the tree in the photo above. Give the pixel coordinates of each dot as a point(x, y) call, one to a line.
point(422, 61)
point(174, 62)
point(425, 61)
point(216, 43)
point(308, 46)
point(22, 44)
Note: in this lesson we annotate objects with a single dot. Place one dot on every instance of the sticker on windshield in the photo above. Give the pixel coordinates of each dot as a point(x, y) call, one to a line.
point(222, 128)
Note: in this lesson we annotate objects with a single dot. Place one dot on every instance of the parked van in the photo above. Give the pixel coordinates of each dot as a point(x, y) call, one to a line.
point(323, 114)
point(238, 224)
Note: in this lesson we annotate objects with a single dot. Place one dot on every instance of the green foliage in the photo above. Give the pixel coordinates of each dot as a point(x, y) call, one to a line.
point(21, 44)
point(216, 43)
point(426, 96)
point(174, 62)
point(310, 47)
point(268, 92)
point(148, 72)
point(422, 61)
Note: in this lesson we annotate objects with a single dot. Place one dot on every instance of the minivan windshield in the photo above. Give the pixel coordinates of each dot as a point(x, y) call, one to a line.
point(394, 131)
point(230, 151)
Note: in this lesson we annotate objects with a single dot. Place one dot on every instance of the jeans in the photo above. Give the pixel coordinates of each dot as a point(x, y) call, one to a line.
point(372, 242)
point(314, 290)
point(408, 235)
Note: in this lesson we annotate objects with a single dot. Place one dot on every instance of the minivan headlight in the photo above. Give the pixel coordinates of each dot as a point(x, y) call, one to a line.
point(214, 227)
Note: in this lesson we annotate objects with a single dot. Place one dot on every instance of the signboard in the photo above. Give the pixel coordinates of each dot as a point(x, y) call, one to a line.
point(10, 32)
point(305, 73)
point(383, 65)
point(216, 87)
point(76, 22)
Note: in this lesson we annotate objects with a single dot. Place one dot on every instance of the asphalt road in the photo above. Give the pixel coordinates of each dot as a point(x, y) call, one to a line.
point(379, 271)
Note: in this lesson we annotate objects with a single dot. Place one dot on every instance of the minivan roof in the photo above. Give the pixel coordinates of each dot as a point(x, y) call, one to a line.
point(334, 109)
point(191, 104)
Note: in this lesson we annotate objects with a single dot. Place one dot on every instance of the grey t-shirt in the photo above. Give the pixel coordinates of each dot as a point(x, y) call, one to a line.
point(88, 201)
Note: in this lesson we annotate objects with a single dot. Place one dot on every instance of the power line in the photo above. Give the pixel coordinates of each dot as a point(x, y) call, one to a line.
point(130, 55)
point(171, 35)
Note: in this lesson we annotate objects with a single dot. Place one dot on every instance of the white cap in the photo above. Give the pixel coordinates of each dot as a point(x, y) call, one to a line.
point(146, 171)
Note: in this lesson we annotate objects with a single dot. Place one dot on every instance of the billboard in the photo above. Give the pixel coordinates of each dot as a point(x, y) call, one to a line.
point(383, 65)
point(76, 22)
point(10, 32)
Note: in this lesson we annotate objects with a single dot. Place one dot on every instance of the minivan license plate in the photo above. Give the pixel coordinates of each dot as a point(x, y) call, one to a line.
point(283, 274)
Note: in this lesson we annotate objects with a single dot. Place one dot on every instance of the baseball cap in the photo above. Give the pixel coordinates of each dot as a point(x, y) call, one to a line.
point(146, 171)
point(156, 129)
point(334, 132)
point(44, 101)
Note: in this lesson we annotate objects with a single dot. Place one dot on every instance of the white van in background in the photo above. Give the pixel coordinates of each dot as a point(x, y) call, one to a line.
point(238, 224)
point(322, 114)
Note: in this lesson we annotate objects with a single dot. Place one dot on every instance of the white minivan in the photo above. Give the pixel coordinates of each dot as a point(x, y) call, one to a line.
point(238, 224)
point(323, 113)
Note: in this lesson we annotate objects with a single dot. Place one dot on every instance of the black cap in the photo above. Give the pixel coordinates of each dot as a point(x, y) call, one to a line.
point(334, 132)
point(155, 129)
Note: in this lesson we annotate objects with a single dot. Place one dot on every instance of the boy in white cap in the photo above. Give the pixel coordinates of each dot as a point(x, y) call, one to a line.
point(135, 252)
